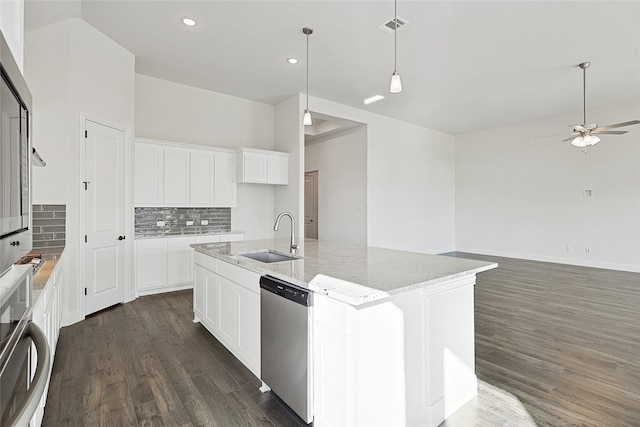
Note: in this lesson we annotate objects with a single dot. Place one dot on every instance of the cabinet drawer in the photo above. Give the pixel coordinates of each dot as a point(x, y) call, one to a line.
point(180, 242)
point(239, 275)
point(160, 243)
point(205, 261)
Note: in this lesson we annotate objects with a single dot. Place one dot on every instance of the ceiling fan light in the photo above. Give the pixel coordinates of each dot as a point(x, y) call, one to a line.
point(396, 83)
point(579, 142)
point(306, 119)
point(593, 140)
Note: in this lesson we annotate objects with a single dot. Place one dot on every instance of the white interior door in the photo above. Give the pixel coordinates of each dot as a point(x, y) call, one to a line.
point(104, 216)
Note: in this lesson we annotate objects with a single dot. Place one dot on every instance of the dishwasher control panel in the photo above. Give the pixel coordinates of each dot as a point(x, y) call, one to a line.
point(286, 290)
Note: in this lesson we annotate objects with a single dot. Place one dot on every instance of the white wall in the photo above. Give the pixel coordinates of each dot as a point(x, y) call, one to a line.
point(176, 112)
point(12, 27)
point(521, 197)
point(74, 71)
point(289, 138)
point(341, 163)
point(410, 181)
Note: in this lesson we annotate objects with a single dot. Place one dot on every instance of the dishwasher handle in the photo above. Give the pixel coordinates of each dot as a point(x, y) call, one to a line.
point(287, 290)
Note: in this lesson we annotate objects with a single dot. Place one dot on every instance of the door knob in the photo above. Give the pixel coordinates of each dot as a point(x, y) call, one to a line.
point(121, 237)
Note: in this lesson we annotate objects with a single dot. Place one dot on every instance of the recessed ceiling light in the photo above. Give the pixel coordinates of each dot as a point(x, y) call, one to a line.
point(188, 22)
point(372, 99)
point(292, 61)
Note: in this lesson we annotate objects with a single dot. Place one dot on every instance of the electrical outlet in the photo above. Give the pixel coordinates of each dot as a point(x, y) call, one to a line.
point(160, 223)
point(587, 193)
point(204, 222)
point(569, 248)
point(189, 223)
point(587, 250)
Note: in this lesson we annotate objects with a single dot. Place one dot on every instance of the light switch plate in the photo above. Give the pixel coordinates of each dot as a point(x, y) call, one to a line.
point(160, 223)
point(204, 222)
point(189, 223)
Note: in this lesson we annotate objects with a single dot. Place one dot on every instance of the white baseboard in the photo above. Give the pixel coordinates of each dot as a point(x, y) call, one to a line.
point(447, 405)
point(558, 260)
point(163, 289)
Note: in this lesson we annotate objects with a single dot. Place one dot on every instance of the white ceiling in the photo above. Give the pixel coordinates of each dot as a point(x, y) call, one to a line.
point(465, 65)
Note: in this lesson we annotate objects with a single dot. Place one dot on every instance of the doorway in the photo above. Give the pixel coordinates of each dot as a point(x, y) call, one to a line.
point(311, 205)
point(104, 216)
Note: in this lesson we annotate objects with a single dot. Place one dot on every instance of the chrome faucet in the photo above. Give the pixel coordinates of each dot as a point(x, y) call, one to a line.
point(294, 246)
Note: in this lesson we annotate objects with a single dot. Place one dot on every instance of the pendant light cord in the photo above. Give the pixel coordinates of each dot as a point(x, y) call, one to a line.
point(584, 95)
point(307, 71)
point(395, 36)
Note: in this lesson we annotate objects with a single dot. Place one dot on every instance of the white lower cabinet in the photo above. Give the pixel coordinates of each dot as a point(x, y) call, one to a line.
point(47, 314)
point(166, 264)
point(231, 309)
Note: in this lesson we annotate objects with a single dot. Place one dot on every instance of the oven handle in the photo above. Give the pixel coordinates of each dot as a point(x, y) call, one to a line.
point(23, 415)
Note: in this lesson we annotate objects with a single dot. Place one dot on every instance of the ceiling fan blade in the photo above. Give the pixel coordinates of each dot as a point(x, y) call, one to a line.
point(610, 132)
point(549, 136)
point(579, 128)
point(569, 139)
point(619, 125)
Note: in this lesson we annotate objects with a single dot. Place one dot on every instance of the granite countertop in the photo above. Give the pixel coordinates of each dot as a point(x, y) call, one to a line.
point(170, 236)
point(349, 273)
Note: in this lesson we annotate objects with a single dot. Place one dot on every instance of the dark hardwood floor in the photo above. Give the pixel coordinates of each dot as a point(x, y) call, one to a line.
point(556, 345)
point(145, 363)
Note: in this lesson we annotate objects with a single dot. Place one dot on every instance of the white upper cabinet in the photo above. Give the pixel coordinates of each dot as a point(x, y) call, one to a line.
point(263, 166)
point(202, 177)
point(225, 179)
point(149, 174)
point(171, 174)
point(176, 177)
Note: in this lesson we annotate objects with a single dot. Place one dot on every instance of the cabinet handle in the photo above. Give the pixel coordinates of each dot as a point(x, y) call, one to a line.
point(121, 237)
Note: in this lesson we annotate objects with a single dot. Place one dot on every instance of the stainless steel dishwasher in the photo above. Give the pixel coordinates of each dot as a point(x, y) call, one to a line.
point(285, 354)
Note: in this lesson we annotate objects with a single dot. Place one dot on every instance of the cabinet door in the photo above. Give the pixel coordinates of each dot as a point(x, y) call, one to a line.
point(254, 167)
point(211, 302)
point(249, 328)
point(179, 265)
point(198, 293)
point(176, 176)
point(151, 268)
point(202, 178)
point(278, 169)
point(228, 309)
point(149, 174)
point(225, 180)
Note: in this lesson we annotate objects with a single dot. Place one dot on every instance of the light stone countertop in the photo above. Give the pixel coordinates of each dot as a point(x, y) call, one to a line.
point(349, 273)
point(170, 236)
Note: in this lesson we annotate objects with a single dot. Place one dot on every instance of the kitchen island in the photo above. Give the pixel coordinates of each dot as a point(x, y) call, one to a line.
point(393, 331)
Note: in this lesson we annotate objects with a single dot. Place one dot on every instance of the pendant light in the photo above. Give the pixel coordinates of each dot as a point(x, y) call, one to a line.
point(306, 119)
point(396, 83)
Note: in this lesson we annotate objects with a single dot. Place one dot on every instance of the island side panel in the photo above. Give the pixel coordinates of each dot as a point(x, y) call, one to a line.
point(450, 347)
point(407, 360)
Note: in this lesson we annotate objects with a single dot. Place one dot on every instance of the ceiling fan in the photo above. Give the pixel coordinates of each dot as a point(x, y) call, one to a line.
point(587, 134)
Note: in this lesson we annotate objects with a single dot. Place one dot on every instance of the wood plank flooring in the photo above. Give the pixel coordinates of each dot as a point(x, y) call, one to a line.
point(556, 345)
point(562, 341)
point(145, 363)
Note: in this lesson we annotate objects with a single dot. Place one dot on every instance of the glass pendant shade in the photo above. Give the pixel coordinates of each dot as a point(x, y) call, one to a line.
point(306, 119)
point(396, 83)
point(583, 141)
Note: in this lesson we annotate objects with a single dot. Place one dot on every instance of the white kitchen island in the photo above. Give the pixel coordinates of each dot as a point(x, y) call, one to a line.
point(393, 331)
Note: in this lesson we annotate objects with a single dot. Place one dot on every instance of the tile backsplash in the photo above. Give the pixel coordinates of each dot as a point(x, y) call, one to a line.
point(49, 230)
point(175, 221)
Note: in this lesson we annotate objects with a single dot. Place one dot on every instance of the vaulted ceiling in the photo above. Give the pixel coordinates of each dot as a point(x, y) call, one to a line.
point(465, 65)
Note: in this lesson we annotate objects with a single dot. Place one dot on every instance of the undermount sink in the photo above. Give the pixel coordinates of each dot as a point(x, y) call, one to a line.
point(270, 256)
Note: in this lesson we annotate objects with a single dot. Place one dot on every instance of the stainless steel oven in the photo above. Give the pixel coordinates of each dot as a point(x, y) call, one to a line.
point(21, 386)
